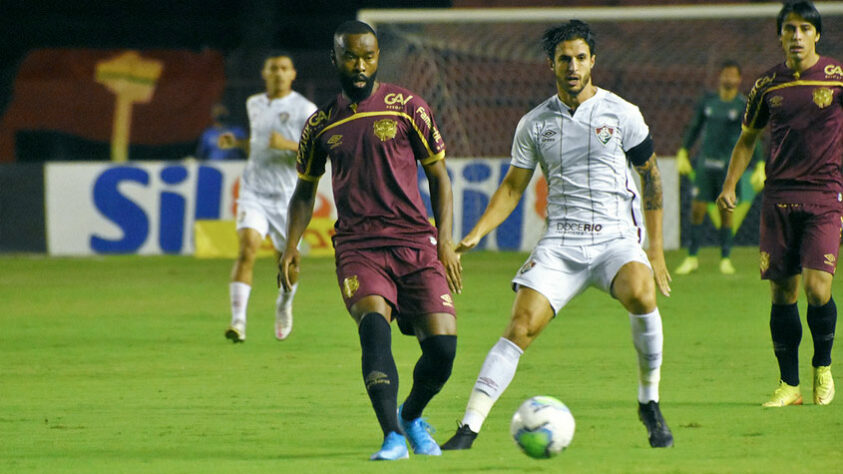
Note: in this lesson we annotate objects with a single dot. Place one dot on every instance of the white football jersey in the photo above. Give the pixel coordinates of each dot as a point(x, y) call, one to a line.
point(272, 171)
point(591, 195)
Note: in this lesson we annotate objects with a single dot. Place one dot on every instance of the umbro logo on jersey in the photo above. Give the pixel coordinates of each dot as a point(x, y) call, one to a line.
point(335, 141)
point(604, 134)
point(548, 135)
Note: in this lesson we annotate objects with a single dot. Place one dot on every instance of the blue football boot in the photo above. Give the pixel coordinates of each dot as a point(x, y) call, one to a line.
point(394, 447)
point(418, 431)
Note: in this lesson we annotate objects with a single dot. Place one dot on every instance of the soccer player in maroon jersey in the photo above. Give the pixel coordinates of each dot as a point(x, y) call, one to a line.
point(391, 262)
point(802, 101)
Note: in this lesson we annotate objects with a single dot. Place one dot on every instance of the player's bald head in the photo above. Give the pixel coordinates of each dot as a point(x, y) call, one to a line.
point(352, 27)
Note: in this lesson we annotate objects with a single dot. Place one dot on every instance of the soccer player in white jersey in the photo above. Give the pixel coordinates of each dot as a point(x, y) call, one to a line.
point(276, 119)
point(584, 139)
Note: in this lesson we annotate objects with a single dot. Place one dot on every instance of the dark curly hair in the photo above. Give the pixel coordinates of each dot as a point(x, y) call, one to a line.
point(574, 29)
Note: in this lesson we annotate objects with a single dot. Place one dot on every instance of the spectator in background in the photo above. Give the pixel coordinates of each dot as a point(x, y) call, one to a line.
point(209, 142)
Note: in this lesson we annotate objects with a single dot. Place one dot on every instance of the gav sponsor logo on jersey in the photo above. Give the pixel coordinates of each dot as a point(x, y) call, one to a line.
point(833, 70)
point(396, 98)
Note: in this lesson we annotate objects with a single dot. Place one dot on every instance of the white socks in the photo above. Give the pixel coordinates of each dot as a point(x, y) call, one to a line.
point(285, 299)
point(648, 339)
point(495, 375)
point(239, 294)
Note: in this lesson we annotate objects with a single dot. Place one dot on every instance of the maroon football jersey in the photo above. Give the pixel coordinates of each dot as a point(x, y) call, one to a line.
point(805, 113)
point(374, 147)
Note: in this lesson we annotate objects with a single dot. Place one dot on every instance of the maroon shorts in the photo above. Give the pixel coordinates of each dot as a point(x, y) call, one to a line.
point(799, 235)
point(411, 280)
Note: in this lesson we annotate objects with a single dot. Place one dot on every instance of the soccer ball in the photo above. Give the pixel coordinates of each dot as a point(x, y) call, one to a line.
point(542, 427)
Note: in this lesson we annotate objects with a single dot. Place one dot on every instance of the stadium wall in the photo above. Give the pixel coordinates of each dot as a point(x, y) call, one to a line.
point(22, 208)
point(151, 208)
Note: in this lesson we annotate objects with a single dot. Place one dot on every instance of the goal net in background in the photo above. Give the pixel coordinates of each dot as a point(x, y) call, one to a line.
point(482, 69)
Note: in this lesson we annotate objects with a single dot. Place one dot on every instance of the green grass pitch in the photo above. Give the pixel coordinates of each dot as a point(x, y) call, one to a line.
point(119, 364)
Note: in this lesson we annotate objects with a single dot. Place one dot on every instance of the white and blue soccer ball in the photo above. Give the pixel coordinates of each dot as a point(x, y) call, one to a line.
point(542, 427)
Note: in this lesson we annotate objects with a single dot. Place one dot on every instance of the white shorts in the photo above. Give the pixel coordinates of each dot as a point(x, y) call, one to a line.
point(562, 272)
point(267, 214)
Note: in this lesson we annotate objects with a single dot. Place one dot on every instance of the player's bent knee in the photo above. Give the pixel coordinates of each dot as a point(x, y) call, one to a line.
point(817, 295)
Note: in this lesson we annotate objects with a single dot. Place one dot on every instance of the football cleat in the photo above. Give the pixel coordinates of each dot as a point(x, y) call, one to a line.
point(690, 264)
point(784, 395)
point(283, 323)
point(237, 331)
point(658, 433)
point(462, 439)
point(394, 447)
point(726, 266)
point(823, 385)
point(418, 431)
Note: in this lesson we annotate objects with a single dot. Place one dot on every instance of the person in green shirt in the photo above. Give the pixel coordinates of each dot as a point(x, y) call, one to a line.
point(717, 119)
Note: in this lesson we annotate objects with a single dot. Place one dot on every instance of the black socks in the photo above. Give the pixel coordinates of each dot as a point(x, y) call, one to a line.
point(431, 372)
point(822, 321)
point(379, 372)
point(786, 330)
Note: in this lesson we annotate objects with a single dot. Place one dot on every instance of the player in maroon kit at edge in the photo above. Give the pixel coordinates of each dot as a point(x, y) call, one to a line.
point(802, 100)
point(391, 262)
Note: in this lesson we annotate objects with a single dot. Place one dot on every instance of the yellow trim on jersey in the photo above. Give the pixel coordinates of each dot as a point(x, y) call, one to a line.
point(312, 179)
point(375, 114)
point(785, 85)
point(802, 83)
point(433, 158)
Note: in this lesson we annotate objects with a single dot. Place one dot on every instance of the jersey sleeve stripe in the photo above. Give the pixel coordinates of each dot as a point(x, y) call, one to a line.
point(375, 114)
point(433, 158)
point(312, 179)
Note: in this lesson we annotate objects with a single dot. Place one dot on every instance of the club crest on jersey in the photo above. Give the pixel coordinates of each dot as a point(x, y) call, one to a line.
point(604, 133)
point(823, 97)
point(776, 101)
point(386, 129)
point(284, 117)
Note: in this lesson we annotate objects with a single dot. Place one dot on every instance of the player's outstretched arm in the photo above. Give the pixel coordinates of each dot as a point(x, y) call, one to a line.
point(501, 205)
point(651, 182)
point(741, 155)
point(228, 140)
point(299, 212)
point(442, 201)
point(280, 142)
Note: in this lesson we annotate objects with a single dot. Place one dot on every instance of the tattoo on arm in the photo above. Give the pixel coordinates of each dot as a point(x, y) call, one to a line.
point(651, 181)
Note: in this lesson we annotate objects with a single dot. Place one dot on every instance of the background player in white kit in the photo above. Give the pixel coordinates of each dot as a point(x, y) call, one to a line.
point(276, 119)
point(584, 138)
